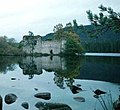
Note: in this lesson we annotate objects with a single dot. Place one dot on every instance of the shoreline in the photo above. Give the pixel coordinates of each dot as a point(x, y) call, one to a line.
point(103, 54)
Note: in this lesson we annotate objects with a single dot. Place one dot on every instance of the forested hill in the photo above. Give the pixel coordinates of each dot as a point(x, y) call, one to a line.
point(109, 35)
point(107, 42)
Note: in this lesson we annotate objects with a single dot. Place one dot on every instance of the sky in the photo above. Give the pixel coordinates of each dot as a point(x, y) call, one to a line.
point(17, 17)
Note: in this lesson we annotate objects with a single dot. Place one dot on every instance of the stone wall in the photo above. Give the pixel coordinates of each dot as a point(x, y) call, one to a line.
point(34, 44)
point(51, 47)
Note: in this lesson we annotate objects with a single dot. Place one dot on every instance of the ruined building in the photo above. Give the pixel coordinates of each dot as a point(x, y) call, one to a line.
point(35, 44)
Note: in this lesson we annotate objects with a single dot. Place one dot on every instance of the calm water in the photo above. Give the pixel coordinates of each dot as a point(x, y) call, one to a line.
point(28, 76)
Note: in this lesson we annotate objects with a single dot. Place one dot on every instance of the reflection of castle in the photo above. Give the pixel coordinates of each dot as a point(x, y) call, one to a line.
point(34, 65)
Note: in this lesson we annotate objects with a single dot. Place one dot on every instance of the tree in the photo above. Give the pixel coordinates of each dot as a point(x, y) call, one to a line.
point(11, 40)
point(73, 45)
point(31, 41)
point(69, 27)
point(8, 47)
point(75, 25)
point(107, 19)
point(58, 31)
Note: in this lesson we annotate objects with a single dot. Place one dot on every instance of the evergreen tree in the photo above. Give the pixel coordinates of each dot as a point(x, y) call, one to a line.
point(107, 19)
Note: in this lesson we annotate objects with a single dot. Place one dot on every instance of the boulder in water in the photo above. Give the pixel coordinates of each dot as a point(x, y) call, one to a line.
point(52, 106)
point(44, 95)
point(25, 105)
point(10, 98)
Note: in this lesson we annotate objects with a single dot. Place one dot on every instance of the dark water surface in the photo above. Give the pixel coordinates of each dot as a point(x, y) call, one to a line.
point(27, 76)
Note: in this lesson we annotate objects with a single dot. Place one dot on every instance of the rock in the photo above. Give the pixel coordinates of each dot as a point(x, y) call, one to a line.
point(40, 105)
point(25, 105)
point(36, 89)
point(1, 103)
point(78, 85)
point(13, 78)
point(10, 98)
point(52, 106)
point(99, 92)
point(79, 99)
point(75, 89)
point(44, 95)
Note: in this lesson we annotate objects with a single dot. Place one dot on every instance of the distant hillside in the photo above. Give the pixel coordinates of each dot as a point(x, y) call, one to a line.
point(84, 37)
point(48, 36)
point(107, 42)
point(109, 35)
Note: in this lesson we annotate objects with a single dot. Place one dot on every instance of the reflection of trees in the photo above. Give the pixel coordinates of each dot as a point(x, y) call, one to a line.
point(8, 63)
point(73, 65)
point(66, 69)
point(59, 81)
point(30, 68)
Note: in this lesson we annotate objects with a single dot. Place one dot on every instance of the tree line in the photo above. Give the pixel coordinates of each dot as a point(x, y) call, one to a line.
point(9, 46)
point(103, 47)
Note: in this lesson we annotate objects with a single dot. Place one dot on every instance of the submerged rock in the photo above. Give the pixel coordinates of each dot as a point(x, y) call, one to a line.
point(13, 78)
point(79, 85)
point(10, 98)
point(40, 105)
point(99, 92)
point(25, 105)
point(75, 89)
point(44, 95)
point(79, 99)
point(52, 106)
point(36, 89)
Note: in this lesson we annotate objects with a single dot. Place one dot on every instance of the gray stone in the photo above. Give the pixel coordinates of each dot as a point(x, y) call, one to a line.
point(10, 98)
point(79, 99)
point(39, 105)
point(52, 106)
point(25, 105)
point(44, 95)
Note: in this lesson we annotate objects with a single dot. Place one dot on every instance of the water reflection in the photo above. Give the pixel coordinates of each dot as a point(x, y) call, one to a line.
point(101, 68)
point(66, 68)
point(62, 73)
point(8, 63)
point(30, 66)
point(63, 67)
point(72, 67)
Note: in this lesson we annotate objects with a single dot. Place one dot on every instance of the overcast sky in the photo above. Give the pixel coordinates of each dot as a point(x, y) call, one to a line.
point(17, 17)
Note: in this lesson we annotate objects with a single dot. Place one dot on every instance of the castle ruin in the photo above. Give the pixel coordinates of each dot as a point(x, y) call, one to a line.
point(35, 44)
